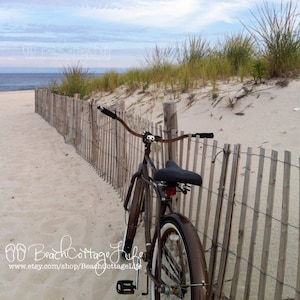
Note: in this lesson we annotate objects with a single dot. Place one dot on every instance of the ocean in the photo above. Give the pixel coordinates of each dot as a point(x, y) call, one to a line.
point(31, 81)
point(26, 81)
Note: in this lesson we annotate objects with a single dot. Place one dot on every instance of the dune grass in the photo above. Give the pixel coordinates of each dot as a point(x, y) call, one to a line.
point(277, 35)
point(269, 47)
point(74, 81)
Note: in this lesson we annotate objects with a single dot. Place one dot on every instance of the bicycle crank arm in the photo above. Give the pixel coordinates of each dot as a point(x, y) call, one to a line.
point(126, 287)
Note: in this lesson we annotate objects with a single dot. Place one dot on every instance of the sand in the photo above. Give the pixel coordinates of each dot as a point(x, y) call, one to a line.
point(268, 116)
point(54, 206)
point(52, 200)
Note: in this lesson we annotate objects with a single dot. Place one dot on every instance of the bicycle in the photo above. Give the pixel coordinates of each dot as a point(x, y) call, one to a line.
point(175, 261)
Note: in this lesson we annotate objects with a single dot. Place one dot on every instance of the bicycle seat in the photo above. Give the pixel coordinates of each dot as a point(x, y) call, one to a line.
point(173, 174)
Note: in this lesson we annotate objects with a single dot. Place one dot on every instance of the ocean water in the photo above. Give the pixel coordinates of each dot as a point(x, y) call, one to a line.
point(26, 81)
point(31, 81)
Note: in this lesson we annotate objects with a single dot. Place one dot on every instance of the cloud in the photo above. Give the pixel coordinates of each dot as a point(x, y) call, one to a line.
point(77, 28)
point(157, 14)
point(186, 15)
point(11, 14)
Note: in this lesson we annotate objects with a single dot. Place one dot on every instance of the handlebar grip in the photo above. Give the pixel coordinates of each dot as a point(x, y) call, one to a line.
point(209, 135)
point(107, 112)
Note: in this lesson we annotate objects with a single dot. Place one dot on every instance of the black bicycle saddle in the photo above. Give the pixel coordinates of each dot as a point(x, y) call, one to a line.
point(173, 174)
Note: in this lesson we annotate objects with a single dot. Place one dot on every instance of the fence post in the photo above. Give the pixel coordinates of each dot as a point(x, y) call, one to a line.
point(171, 128)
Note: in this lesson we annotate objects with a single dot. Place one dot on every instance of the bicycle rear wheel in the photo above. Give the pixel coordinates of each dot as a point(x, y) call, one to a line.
point(135, 208)
point(179, 263)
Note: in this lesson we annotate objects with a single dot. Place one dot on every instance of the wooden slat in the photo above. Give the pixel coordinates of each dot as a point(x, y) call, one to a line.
point(192, 192)
point(162, 162)
point(158, 147)
point(108, 151)
point(114, 151)
point(284, 225)
point(228, 222)
point(297, 296)
point(94, 134)
point(82, 130)
point(111, 149)
point(123, 154)
point(210, 192)
point(181, 147)
point(65, 119)
point(130, 148)
point(89, 134)
point(89, 131)
point(215, 237)
point(180, 163)
point(78, 121)
point(105, 146)
point(101, 143)
point(72, 124)
point(185, 202)
point(54, 111)
point(202, 173)
point(268, 227)
point(241, 231)
point(254, 223)
point(98, 138)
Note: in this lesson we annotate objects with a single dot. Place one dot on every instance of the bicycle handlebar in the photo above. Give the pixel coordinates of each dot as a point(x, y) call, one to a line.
point(107, 112)
point(112, 115)
point(204, 135)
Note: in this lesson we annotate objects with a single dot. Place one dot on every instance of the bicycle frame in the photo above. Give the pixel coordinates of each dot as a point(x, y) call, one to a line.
point(162, 204)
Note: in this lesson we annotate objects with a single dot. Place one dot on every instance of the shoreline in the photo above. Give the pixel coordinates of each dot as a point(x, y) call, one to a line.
point(18, 91)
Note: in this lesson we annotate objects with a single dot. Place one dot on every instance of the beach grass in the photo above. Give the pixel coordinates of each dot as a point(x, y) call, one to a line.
point(276, 33)
point(268, 47)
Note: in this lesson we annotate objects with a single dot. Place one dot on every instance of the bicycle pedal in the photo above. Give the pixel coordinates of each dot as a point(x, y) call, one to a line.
point(125, 287)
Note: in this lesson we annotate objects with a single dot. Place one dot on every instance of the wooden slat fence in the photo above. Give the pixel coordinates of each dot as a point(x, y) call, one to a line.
point(246, 213)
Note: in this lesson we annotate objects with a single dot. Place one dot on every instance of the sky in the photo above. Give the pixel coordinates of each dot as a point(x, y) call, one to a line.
point(53, 34)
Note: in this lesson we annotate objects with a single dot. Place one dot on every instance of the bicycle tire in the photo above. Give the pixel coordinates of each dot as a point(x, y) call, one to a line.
point(183, 268)
point(134, 213)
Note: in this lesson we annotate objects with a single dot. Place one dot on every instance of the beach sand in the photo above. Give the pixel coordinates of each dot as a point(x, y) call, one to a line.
point(268, 116)
point(53, 204)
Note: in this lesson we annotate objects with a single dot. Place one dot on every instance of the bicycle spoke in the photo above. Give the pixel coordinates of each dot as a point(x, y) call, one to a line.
point(174, 266)
point(172, 263)
point(170, 275)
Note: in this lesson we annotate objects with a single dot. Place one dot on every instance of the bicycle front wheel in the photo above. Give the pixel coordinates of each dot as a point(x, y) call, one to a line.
point(179, 262)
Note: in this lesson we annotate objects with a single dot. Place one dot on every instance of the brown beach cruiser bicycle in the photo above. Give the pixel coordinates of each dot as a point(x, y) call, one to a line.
point(175, 261)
